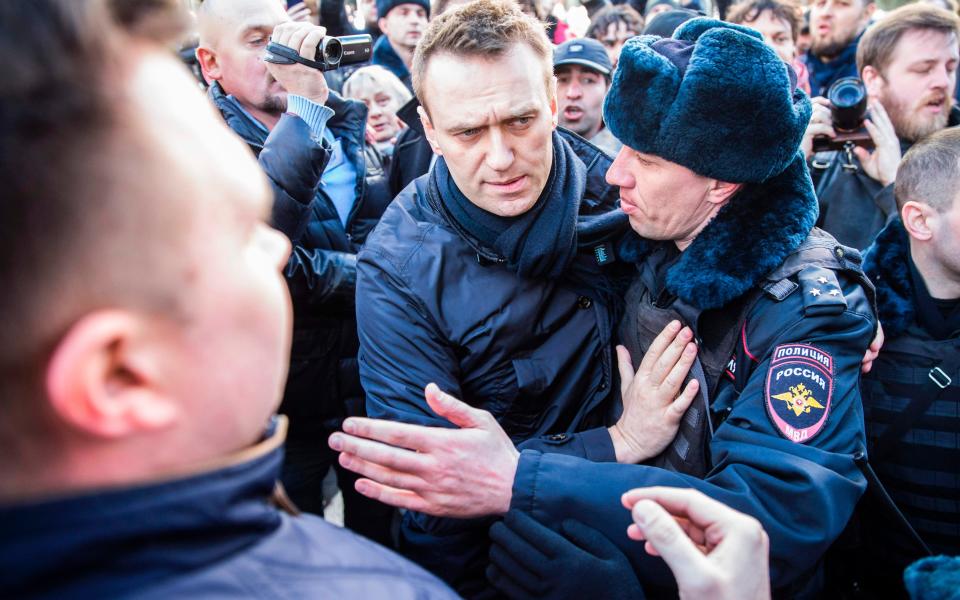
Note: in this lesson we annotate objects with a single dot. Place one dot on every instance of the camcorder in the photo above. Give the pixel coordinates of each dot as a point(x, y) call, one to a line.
point(332, 53)
point(848, 109)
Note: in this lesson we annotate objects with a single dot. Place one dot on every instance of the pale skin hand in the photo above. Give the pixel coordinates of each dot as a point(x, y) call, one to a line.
point(872, 352)
point(652, 401)
point(883, 162)
point(462, 473)
point(713, 550)
point(300, 13)
point(821, 124)
point(296, 78)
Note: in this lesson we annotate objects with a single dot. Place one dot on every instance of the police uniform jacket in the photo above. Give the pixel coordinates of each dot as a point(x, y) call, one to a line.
point(210, 534)
point(783, 316)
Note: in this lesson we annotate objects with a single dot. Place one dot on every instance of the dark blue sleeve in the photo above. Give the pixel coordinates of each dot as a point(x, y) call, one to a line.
point(592, 444)
point(802, 493)
point(401, 348)
point(294, 163)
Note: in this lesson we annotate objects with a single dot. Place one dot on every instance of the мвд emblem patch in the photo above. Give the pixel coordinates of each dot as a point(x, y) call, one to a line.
point(799, 389)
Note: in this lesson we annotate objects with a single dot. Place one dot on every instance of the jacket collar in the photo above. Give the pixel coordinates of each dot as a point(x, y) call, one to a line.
point(385, 56)
point(887, 264)
point(749, 238)
point(106, 543)
point(238, 120)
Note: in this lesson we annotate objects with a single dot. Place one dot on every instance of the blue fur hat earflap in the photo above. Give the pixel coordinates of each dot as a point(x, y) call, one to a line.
point(713, 98)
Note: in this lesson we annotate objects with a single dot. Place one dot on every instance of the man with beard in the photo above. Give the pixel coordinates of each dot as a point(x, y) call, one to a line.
point(908, 62)
point(310, 142)
point(835, 28)
point(582, 68)
point(402, 24)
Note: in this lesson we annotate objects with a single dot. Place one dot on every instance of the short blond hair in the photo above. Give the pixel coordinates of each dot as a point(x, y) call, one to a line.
point(482, 28)
point(378, 76)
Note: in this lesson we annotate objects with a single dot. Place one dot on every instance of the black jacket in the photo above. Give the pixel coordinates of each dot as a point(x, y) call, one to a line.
point(321, 273)
point(853, 206)
point(385, 56)
point(910, 400)
point(412, 153)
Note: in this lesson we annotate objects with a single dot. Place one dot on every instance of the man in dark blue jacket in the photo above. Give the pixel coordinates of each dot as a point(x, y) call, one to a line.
point(490, 275)
point(911, 395)
point(835, 29)
point(402, 23)
point(781, 313)
point(144, 352)
point(310, 143)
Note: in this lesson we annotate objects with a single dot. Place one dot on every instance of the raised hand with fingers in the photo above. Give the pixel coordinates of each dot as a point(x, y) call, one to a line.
point(714, 551)
point(883, 162)
point(296, 78)
point(530, 560)
point(460, 472)
point(654, 398)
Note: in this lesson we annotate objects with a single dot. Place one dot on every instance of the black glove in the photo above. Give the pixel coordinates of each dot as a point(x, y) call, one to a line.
point(530, 560)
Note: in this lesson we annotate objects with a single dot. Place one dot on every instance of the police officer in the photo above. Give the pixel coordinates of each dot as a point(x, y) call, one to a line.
point(910, 396)
point(725, 210)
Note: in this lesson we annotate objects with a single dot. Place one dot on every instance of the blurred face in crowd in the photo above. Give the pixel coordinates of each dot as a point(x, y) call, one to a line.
point(664, 200)
point(776, 33)
point(404, 25)
point(580, 94)
point(834, 24)
point(656, 10)
point(382, 107)
point(614, 38)
point(233, 54)
point(492, 120)
point(917, 87)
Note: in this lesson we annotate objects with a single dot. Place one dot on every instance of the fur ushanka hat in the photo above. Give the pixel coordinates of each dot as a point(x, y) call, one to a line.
point(713, 98)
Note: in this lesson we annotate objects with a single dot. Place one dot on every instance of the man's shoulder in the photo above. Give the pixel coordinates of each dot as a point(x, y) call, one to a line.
point(307, 556)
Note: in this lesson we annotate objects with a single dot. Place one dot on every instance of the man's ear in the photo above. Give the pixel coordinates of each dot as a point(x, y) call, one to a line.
point(428, 130)
point(918, 220)
point(873, 81)
point(382, 23)
point(720, 192)
point(209, 64)
point(101, 381)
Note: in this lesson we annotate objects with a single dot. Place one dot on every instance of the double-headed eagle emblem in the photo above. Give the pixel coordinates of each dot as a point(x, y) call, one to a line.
point(799, 399)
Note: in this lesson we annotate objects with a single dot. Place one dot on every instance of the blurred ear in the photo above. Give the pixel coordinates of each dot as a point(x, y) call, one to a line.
point(554, 108)
point(428, 130)
point(209, 64)
point(101, 382)
point(873, 81)
point(919, 220)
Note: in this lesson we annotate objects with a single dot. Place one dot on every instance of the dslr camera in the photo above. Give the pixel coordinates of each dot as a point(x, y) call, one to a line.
point(332, 52)
point(848, 109)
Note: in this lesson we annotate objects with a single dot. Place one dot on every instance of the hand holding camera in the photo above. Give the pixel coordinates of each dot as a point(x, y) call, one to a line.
point(882, 163)
point(297, 78)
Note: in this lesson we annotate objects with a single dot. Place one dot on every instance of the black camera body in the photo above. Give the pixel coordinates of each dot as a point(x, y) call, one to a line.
point(848, 109)
point(332, 52)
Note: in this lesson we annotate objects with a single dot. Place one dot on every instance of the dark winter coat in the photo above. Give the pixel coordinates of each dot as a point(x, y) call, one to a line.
point(805, 317)
point(412, 155)
point(323, 382)
point(385, 56)
point(210, 535)
point(434, 306)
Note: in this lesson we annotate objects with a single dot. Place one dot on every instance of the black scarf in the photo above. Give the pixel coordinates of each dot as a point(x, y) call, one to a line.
point(540, 243)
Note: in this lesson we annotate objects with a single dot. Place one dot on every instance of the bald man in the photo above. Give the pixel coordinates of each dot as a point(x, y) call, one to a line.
point(310, 143)
point(143, 354)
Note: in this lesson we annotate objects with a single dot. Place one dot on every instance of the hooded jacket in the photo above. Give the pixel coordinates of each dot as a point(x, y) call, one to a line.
point(213, 534)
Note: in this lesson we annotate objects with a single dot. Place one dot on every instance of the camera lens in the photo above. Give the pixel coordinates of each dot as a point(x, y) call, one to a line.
point(848, 98)
point(332, 51)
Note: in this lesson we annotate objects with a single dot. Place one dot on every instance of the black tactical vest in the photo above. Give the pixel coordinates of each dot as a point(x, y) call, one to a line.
point(717, 332)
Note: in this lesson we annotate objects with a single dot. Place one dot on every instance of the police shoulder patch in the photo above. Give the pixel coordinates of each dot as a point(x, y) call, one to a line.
point(799, 390)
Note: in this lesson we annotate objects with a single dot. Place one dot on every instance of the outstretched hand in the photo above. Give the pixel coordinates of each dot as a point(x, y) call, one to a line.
point(462, 472)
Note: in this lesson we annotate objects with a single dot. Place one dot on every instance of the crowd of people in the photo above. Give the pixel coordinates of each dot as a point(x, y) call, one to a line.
point(669, 308)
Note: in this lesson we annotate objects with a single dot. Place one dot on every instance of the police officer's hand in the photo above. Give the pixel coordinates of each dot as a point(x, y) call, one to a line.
point(652, 400)
point(882, 163)
point(530, 560)
point(461, 472)
point(713, 550)
point(296, 78)
point(821, 124)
